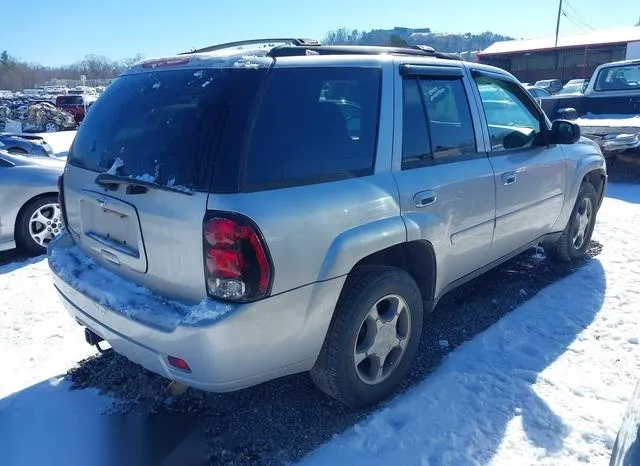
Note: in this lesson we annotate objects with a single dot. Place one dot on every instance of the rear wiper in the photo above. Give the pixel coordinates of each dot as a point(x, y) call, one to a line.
point(134, 186)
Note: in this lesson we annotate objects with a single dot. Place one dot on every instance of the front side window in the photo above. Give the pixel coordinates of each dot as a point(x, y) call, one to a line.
point(314, 125)
point(437, 120)
point(511, 116)
point(619, 78)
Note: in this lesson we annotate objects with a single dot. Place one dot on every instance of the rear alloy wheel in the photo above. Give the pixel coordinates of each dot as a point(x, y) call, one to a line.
point(382, 339)
point(39, 222)
point(50, 127)
point(373, 337)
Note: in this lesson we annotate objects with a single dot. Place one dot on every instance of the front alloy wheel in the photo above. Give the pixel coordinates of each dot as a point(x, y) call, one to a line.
point(581, 223)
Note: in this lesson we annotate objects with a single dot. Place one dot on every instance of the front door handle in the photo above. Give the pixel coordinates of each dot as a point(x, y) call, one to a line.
point(509, 178)
point(425, 198)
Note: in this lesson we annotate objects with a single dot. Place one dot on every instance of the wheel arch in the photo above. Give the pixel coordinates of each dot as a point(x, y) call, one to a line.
point(598, 179)
point(417, 258)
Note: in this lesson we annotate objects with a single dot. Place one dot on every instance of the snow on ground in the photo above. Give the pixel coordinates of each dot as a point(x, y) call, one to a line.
point(40, 337)
point(619, 121)
point(547, 385)
point(41, 420)
point(59, 141)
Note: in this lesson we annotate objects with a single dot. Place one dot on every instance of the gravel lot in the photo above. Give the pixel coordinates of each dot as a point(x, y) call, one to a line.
point(282, 420)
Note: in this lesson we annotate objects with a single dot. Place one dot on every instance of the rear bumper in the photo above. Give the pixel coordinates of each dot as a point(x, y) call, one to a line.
point(250, 344)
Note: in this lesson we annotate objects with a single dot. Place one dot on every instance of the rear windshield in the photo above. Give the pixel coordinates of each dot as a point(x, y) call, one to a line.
point(619, 78)
point(162, 125)
point(69, 100)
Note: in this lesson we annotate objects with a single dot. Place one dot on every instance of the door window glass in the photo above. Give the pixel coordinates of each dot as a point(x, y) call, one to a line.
point(511, 116)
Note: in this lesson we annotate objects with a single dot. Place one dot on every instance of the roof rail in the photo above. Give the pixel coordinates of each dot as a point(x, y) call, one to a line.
point(268, 41)
point(414, 50)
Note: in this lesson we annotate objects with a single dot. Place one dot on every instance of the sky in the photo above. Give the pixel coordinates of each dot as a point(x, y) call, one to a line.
point(64, 31)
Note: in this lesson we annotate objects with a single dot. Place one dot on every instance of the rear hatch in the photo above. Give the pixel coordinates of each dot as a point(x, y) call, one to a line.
point(140, 168)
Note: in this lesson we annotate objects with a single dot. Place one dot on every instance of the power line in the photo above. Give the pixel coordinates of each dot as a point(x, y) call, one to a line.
point(575, 22)
point(578, 16)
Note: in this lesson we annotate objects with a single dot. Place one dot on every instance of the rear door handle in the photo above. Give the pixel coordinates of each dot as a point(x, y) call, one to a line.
point(425, 198)
point(509, 178)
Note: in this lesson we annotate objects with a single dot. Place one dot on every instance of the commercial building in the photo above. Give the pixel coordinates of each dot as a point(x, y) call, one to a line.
point(575, 57)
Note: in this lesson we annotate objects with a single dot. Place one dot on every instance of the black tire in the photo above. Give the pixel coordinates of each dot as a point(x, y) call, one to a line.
point(564, 248)
point(23, 236)
point(335, 372)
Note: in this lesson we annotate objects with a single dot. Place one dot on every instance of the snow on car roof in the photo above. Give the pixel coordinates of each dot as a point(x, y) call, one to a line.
point(227, 58)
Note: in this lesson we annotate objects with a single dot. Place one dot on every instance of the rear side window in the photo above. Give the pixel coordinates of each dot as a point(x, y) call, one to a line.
point(163, 125)
point(314, 125)
point(437, 121)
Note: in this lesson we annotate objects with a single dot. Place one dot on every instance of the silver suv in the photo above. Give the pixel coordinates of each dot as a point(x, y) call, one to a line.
point(245, 212)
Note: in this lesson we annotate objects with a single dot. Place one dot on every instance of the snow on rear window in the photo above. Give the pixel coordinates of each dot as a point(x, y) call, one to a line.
point(161, 123)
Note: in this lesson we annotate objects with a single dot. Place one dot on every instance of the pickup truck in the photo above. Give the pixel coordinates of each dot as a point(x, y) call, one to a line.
point(613, 93)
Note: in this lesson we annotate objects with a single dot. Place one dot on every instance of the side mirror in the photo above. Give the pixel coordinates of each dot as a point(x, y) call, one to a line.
point(564, 132)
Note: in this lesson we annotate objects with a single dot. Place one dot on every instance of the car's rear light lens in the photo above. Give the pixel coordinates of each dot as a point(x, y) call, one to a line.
point(237, 264)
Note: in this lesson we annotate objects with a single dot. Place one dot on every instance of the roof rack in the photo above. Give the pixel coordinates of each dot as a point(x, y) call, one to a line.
point(269, 41)
point(414, 50)
point(289, 47)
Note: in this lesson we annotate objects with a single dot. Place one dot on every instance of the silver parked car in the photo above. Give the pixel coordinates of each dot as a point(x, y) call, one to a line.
point(29, 212)
point(25, 144)
point(253, 229)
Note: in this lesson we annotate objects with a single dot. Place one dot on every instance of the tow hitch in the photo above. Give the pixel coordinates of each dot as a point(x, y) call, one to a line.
point(94, 340)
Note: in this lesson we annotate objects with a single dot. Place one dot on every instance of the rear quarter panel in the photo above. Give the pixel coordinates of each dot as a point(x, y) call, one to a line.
point(319, 232)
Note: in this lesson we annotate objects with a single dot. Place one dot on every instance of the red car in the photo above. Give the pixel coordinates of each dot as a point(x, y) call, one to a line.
point(76, 105)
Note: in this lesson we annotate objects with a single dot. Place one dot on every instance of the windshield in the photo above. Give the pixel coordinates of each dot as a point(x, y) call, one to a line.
point(161, 125)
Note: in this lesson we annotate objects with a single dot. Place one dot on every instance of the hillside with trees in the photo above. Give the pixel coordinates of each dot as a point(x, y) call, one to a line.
point(16, 75)
point(399, 36)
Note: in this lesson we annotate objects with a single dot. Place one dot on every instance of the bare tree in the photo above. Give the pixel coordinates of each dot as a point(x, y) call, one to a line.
point(16, 75)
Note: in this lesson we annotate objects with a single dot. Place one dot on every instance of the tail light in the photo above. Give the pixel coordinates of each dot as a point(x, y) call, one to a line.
point(61, 198)
point(237, 263)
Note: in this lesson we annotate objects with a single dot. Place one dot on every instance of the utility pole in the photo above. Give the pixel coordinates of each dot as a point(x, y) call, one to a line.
point(557, 32)
point(558, 22)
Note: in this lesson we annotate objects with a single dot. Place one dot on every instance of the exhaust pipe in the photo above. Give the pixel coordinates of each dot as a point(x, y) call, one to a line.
point(176, 388)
